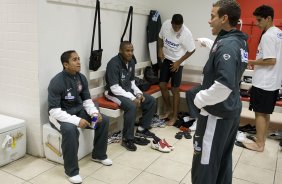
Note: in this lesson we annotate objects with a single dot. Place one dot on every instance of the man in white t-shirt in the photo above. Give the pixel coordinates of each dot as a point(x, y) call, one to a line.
point(176, 44)
point(267, 75)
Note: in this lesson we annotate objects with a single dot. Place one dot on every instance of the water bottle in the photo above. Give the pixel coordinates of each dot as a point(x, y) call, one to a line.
point(94, 120)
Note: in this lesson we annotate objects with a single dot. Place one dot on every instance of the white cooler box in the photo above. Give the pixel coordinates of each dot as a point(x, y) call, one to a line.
point(12, 139)
point(52, 141)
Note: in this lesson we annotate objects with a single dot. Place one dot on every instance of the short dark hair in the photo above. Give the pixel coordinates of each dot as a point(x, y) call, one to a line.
point(124, 43)
point(177, 19)
point(66, 56)
point(264, 11)
point(230, 8)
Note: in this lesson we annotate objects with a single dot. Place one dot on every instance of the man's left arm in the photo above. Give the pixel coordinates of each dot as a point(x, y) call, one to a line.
point(88, 104)
point(225, 80)
point(269, 51)
point(263, 62)
point(189, 46)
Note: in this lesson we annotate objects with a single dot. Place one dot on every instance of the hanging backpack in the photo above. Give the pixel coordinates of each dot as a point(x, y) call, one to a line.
point(129, 17)
point(150, 76)
point(95, 60)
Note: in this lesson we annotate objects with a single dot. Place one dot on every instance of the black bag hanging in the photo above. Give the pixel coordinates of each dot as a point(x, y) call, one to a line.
point(129, 17)
point(150, 76)
point(95, 59)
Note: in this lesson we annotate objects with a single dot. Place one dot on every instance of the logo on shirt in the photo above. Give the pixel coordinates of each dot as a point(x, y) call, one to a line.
point(69, 96)
point(196, 147)
point(226, 57)
point(171, 44)
point(122, 76)
point(279, 35)
point(79, 86)
point(244, 56)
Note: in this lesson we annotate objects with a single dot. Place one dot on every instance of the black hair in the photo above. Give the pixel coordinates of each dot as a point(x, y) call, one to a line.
point(230, 8)
point(264, 11)
point(177, 19)
point(66, 56)
point(123, 43)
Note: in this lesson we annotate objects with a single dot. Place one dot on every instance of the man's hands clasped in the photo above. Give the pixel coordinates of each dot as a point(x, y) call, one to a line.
point(83, 123)
point(139, 99)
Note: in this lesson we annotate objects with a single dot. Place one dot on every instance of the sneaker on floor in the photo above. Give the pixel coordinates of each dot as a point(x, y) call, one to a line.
point(75, 179)
point(129, 145)
point(194, 126)
point(106, 162)
point(168, 145)
point(160, 146)
point(145, 133)
point(141, 141)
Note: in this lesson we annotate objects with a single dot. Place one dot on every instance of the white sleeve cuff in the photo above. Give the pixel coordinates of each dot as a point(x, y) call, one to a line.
point(90, 107)
point(63, 116)
point(136, 90)
point(117, 90)
point(215, 94)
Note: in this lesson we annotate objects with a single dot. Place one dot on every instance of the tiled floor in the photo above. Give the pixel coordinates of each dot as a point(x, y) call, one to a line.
point(148, 166)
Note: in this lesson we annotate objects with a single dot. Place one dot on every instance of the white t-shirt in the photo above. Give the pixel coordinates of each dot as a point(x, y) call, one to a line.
point(176, 44)
point(269, 77)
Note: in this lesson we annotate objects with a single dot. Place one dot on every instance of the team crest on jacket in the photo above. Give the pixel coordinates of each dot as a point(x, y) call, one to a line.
point(226, 57)
point(69, 96)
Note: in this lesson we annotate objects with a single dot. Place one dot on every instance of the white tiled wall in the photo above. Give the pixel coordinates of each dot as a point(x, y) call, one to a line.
point(19, 85)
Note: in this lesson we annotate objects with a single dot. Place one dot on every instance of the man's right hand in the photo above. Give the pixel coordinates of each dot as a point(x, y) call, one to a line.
point(83, 123)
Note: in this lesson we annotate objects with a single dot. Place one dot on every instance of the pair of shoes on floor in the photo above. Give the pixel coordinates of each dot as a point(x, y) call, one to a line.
point(74, 179)
point(144, 133)
point(129, 145)
point(248, 128)
point(158, 123)
point(161, 146)
point(141, 141)
point(186, 134)
point(106, 162)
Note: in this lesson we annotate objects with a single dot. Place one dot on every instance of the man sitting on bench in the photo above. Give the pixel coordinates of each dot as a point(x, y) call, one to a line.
point(122, 90)
point(70, 107)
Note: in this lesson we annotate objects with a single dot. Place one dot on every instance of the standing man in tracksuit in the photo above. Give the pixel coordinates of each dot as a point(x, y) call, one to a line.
point(70, 107)
point(219, 98)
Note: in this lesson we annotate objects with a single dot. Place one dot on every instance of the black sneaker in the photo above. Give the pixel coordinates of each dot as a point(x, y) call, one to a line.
point(129, 145)
point(145, 133)
point(141, 141)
